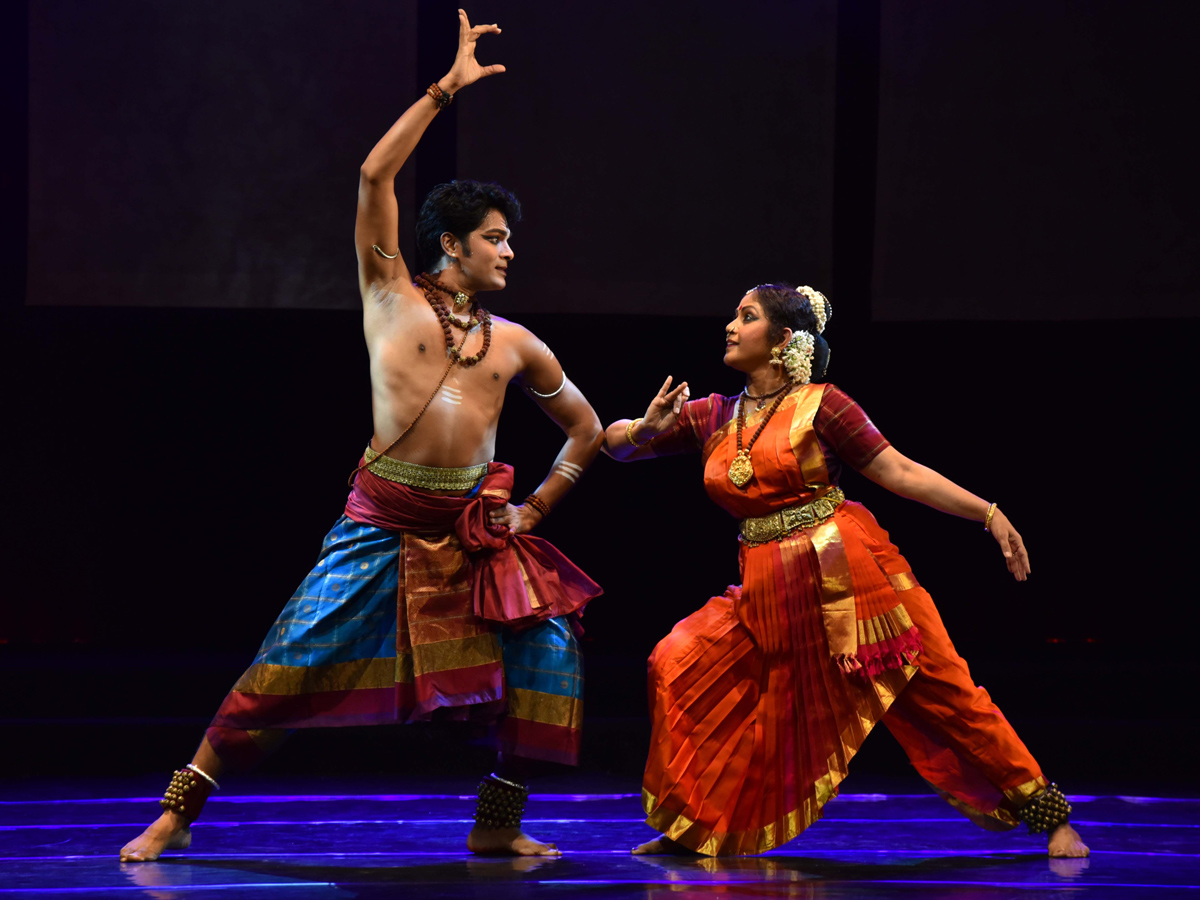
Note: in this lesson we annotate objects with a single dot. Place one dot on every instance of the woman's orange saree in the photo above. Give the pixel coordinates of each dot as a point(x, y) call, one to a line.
point(760, 699)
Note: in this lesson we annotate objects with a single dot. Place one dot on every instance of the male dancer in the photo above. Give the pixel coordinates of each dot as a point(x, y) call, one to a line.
point(429, 600)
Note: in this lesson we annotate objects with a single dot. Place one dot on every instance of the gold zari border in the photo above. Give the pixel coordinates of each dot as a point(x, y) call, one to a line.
point(694, 836)
point(427, 477)
point(549, 709)
point(890, 624)
point(357, 674)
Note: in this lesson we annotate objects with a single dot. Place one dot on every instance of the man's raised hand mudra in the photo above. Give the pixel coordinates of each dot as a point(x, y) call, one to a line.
point(439, 364)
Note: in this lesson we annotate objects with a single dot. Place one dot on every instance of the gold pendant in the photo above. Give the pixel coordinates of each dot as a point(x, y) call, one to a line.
point(741, 470)
point(461, 300)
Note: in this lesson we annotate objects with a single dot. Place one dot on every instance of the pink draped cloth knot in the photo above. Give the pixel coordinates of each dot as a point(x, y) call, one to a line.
point(519, 580)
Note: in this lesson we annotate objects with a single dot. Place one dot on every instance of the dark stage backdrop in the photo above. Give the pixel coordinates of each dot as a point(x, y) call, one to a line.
point(207, 154)
point(1036, 160)
point(176, 467)
point(670, 156)
point(1024, 160)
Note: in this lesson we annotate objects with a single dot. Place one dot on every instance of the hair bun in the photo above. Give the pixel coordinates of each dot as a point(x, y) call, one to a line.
point(820, 305)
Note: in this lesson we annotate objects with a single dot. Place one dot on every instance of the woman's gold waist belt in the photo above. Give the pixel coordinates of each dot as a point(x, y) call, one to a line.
point(761, 529)
point(427, 477)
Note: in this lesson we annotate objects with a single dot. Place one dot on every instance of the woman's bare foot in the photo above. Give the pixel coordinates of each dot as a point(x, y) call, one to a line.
point(508, 842)
point(1065, 843)
point(169, 832)
point(662, 846)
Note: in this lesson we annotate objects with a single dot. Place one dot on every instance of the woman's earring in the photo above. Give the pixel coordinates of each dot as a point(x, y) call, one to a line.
point(775, 357)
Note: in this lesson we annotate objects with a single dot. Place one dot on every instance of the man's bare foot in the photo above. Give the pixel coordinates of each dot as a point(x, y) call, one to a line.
point(662, 846)
point(1065, 843)
point(169, 832)
point(508, 842)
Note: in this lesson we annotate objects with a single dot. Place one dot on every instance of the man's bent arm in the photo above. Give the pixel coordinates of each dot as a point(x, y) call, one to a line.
point(571, 411)
point(566, 405)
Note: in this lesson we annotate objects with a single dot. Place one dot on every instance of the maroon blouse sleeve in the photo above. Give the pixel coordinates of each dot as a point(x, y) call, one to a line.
point(844, 428)
point(696, 422)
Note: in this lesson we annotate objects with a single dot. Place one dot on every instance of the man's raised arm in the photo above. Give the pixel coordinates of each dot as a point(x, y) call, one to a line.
point(543, 378)
point(376, 230)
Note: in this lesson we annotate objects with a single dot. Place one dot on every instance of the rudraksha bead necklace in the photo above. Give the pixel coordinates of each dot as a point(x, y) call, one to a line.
point(741, 470)
point(479, 316)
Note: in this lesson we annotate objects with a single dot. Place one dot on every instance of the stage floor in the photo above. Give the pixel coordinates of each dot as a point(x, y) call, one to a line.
point(334, 839)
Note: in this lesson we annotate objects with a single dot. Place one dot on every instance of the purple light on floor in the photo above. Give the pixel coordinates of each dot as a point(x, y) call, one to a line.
point(276, 823)
point(1001, 853)
point(326, 798)
point(564, 798)
point(170, 888)
point(540, 821)
point(1020, 885)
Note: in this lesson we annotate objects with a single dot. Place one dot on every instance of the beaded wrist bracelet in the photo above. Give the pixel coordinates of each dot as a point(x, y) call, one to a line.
point(438, 96)
point(539, 504)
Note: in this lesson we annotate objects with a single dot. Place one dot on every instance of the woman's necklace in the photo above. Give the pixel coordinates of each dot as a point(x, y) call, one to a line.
point(759, 401)
point(480, 317)
point(741, 470)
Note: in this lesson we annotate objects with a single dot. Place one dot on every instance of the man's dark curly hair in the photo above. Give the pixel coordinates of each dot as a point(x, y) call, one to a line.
point(459, 208)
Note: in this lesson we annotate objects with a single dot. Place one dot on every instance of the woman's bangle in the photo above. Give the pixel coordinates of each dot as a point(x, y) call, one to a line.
point(539, 504)
point(987, 522)
point(629, 434)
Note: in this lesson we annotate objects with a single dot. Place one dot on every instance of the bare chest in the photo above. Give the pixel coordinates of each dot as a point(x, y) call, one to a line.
point(410, 358)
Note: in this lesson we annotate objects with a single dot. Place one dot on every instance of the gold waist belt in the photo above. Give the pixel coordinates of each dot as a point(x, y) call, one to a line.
point(761, 529)
point(427, 477)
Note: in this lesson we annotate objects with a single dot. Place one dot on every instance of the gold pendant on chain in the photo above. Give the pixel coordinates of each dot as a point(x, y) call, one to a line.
point(741, 470)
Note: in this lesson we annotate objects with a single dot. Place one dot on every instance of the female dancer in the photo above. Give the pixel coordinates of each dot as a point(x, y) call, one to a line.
point(762, 697)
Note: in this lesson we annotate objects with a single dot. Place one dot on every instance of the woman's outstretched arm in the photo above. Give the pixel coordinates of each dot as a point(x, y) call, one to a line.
point(661, 415)
point(900, 475)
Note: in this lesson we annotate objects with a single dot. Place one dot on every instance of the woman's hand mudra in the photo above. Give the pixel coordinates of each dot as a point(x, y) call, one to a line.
point(517, 519)
point(1015, 555)
point(663, 411)
point(465, 69)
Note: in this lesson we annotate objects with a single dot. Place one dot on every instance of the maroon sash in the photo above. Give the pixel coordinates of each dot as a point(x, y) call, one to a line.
point(520, 580)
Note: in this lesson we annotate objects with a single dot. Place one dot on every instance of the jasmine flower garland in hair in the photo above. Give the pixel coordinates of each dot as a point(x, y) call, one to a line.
point(818, 303)
point(798, 357)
